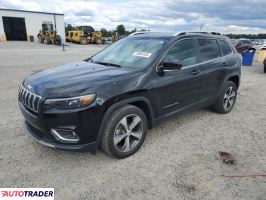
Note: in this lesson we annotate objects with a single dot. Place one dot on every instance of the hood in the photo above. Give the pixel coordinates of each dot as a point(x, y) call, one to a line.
point(72, 79)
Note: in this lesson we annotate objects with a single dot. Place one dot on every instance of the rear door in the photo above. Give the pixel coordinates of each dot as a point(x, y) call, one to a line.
point(211, 67)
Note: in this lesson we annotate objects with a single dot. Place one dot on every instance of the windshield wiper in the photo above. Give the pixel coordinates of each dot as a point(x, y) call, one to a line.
point(108, 64)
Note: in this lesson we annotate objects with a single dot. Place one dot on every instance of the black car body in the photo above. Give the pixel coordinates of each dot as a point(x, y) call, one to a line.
point(264, 63)
point(158, 91)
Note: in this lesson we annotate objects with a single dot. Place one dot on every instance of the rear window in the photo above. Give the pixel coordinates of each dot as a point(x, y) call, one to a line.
point(209, 49)
point(225, 49)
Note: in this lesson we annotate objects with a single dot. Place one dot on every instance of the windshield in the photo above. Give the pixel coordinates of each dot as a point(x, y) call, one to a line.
point(131, 53)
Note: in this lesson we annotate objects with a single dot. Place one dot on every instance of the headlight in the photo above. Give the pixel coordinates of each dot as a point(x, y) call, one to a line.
point(73, 102)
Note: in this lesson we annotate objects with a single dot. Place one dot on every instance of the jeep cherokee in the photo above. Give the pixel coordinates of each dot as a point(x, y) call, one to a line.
point(112, 98)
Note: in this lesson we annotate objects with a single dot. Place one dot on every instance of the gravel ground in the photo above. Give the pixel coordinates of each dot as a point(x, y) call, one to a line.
point(178, 159)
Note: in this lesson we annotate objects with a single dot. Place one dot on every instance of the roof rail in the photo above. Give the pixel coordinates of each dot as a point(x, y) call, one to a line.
point(139, 32)
point(199, 32)
point(144, 32)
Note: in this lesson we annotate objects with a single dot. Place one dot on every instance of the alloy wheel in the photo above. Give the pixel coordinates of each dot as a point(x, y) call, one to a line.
point(229, 98)
point(128, 133)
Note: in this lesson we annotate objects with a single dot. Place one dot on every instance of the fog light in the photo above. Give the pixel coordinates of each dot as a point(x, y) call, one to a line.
point(65, 136)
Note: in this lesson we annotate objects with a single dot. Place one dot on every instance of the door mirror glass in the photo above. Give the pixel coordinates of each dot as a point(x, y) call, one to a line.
point(174, 64)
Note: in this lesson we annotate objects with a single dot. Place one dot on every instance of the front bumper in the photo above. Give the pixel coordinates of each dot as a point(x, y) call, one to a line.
point(91, 147)
point(85, 123)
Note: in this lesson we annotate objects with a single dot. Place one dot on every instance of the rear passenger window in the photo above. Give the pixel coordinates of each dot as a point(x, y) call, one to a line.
point(209, 49)
point(225, 49)
point(184, 51)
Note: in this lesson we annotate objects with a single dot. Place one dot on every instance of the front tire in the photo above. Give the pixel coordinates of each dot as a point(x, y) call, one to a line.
point(83, 41)
point(227, 98)
point(98, 41)
point(47, 40)
point(125, 132)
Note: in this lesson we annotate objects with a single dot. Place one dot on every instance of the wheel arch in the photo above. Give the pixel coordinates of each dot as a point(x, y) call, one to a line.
point(235, 79)
point(141, 102)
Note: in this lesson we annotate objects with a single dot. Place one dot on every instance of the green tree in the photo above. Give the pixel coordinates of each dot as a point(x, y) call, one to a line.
point(106, 33)
point(120, 29)
point(69, 27)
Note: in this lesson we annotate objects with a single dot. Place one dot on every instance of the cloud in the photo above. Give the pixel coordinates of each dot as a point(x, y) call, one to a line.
point(245, 16)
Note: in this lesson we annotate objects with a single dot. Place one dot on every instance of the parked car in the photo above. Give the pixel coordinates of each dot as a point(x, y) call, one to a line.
point(263, 46)
point(243, 44)
point(112, 98)
point(264, 63)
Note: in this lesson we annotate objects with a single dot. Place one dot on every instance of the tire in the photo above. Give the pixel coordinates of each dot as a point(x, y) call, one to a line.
point(121, 141)
point(47, 40)
point(40, 39)
point(98, 41)
point(83, 41)
point(265, 68)
point(227, 99)
point(58, 40)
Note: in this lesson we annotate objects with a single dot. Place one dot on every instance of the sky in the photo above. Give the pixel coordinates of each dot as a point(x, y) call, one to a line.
point(224, 16)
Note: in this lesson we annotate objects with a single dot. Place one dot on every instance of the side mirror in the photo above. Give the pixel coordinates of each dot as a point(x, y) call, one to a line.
point(171, 65)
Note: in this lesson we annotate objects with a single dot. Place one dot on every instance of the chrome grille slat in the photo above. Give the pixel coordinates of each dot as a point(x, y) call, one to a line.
point(26, 98)
point(23, 96)
point(32, 102)
point(29, 99)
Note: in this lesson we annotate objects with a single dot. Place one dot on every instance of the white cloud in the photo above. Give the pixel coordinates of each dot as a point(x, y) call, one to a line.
point(168, 15)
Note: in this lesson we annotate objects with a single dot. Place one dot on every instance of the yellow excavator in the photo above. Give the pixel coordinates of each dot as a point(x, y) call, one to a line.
point(84, 35)
point(48, 36)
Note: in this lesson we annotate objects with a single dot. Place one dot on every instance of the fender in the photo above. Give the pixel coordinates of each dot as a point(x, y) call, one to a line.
point(226, 79)
point(117, 105)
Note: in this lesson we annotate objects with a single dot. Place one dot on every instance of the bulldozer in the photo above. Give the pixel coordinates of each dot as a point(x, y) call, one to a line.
point(48, 36)
point(84, 35)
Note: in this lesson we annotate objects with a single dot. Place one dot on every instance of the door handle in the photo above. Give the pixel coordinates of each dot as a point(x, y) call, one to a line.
point(195, 72)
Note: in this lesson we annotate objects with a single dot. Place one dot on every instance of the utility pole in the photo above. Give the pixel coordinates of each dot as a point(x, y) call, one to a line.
point(201, 26)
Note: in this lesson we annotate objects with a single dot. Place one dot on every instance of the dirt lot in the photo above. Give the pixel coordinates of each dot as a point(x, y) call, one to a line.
point(177, 161)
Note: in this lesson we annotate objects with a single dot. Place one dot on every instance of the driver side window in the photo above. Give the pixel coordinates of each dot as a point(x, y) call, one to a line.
point(184, 51)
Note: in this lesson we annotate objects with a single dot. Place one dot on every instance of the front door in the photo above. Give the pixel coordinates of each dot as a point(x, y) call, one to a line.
point(176, 90)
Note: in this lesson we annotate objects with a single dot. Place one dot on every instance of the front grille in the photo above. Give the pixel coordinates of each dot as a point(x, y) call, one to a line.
point(29, 100)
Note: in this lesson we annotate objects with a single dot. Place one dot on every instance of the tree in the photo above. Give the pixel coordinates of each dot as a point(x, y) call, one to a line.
point(69, 27)
point(106, 33)
point(120, 29)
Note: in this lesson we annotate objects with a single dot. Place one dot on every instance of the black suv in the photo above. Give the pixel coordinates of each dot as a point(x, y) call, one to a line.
point(264, 63)
point(112, 98)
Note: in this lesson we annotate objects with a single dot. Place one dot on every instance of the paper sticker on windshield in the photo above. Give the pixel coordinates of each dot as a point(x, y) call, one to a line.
point(142, 54)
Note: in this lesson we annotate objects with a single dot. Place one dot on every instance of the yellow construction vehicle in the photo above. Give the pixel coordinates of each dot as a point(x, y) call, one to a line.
point(48, 36)
point(116, 36)
point(84, 36)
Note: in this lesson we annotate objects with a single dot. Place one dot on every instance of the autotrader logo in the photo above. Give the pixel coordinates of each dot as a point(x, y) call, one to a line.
point(27, 193)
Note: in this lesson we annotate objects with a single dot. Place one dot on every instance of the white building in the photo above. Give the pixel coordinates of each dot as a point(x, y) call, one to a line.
point(21, 24)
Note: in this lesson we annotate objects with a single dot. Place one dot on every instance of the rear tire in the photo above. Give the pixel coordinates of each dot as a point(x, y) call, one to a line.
point(265, 68)
point(227, 98)
point(125, 132)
